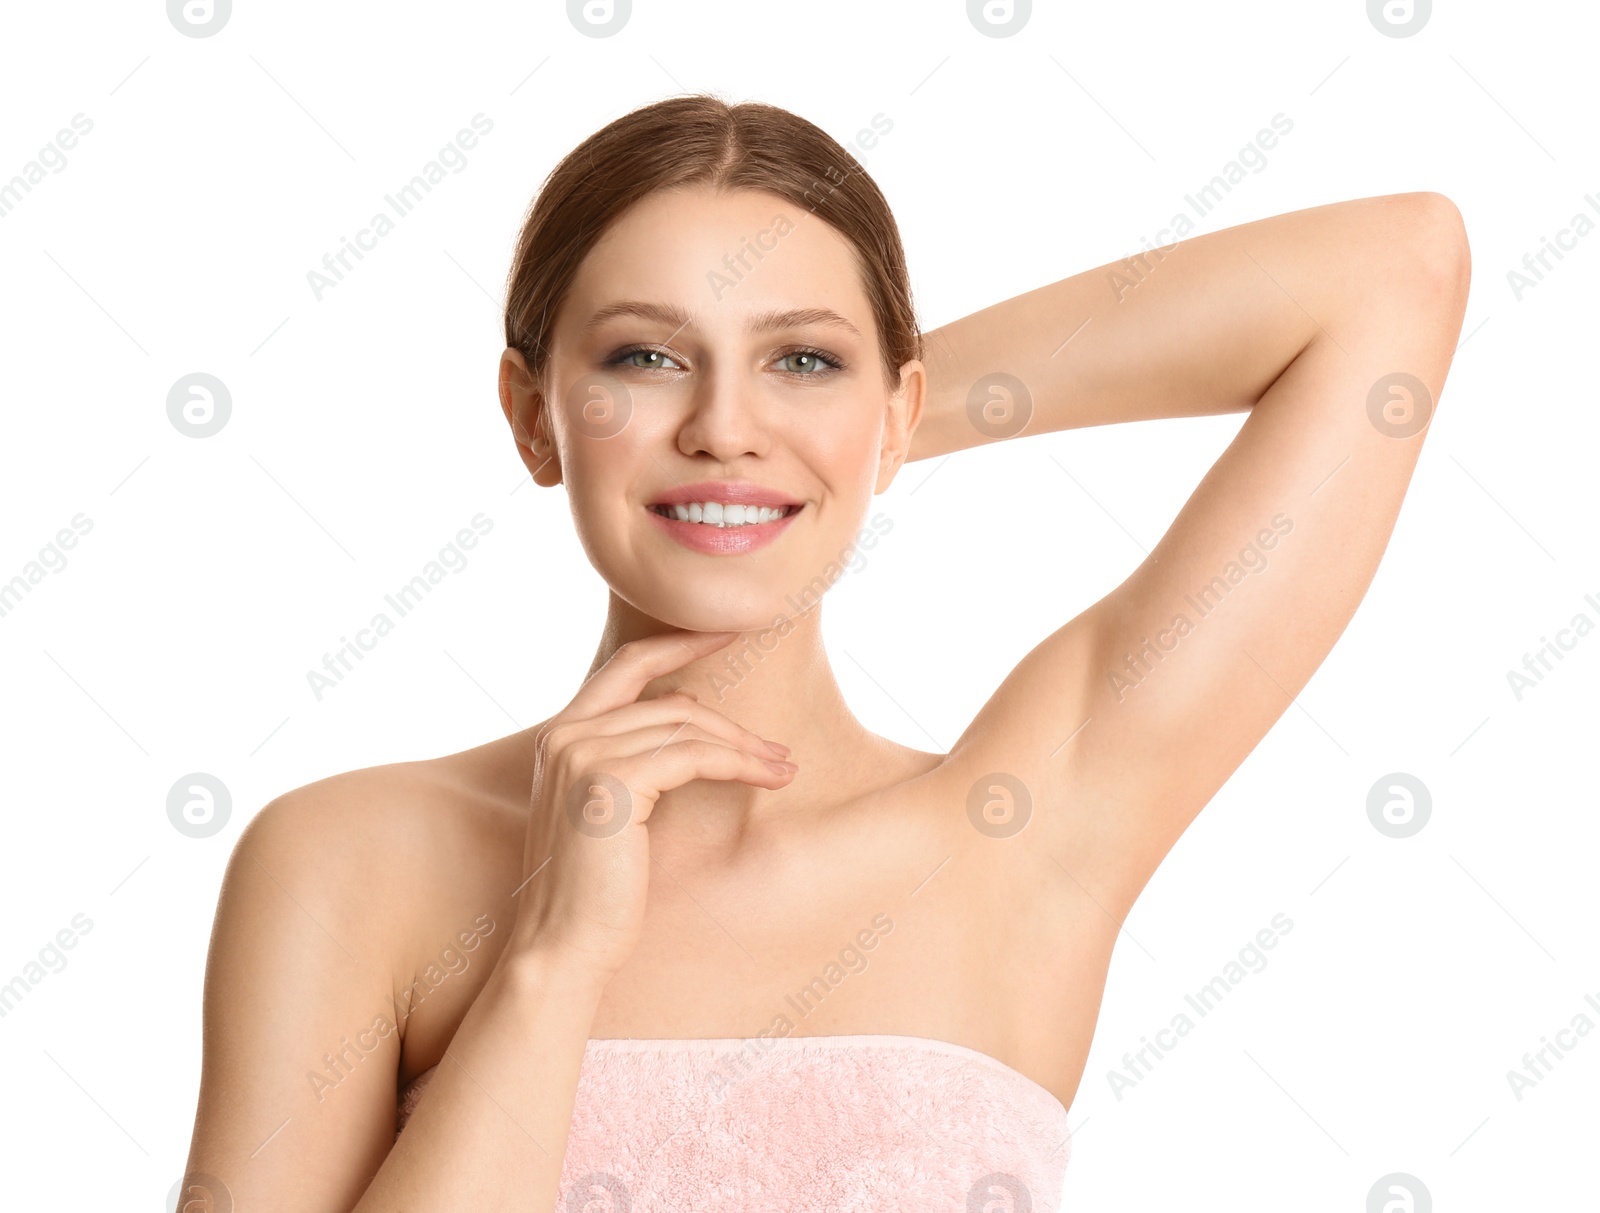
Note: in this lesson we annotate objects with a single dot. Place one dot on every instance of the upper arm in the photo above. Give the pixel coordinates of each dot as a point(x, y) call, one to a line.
point(1170, 680)
point(297, 1091)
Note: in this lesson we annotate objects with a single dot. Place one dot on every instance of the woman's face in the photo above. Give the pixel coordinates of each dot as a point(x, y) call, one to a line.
point(717, 348)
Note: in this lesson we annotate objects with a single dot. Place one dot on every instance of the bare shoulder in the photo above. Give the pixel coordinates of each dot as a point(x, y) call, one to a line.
point(334, 898)
point(390, 846)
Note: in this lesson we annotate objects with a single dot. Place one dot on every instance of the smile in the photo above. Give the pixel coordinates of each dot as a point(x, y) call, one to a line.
point(724, 517)
point(724, 514)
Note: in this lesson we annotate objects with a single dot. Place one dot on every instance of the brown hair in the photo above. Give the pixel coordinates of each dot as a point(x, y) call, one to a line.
point(702, 140)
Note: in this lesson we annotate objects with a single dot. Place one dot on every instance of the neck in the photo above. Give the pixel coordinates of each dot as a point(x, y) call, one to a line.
point(776, 682)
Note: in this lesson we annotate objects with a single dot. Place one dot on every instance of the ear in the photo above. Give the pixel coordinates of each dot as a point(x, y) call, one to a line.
point(524, 406)
point(904, 412)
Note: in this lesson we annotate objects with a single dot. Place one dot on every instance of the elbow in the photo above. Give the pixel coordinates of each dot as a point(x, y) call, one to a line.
point(1439, 257)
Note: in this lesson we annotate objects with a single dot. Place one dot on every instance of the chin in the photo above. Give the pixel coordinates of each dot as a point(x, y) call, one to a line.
point(752, 612)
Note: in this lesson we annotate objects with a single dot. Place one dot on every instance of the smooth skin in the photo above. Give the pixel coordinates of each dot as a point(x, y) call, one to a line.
point(743, 870)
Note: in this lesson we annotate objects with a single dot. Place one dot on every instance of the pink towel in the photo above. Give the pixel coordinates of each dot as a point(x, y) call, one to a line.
point(805, 1123)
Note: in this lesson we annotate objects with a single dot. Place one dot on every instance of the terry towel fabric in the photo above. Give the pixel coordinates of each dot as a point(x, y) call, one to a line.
point(804, 1124)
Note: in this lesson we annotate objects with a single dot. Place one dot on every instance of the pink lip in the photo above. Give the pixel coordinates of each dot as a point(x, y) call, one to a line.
point(731, 492)
point(720, 541)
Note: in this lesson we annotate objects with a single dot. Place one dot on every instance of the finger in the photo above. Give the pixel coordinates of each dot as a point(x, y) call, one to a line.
point(650, 741)
point(592, 756)
point(679, 707)
point(625, 675)
point(682, 761)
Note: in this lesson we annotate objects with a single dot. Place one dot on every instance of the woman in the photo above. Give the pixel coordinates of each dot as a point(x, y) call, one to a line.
point(700, 939)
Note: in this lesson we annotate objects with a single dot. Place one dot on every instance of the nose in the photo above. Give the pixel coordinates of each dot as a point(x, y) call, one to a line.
point(724, 418)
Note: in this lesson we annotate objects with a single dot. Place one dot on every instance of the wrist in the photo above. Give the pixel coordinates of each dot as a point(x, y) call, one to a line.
point(551, 972)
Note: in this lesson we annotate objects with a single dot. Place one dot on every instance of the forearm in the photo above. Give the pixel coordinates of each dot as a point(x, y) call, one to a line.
point(1204, 326)
point(491, 1130)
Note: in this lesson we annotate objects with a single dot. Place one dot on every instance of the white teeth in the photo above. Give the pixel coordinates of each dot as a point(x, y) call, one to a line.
point(715, 513)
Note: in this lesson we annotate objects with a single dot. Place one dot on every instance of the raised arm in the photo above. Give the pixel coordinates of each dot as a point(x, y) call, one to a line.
point(1334, 327)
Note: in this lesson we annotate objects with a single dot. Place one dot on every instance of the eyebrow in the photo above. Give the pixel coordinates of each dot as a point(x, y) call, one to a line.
point(761, 322)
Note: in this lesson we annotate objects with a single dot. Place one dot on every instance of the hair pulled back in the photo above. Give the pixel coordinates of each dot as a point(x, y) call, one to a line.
point(700, 140)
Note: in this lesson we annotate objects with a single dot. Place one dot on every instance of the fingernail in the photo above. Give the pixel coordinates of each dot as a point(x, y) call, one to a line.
point(778, 747)
point(780, 768)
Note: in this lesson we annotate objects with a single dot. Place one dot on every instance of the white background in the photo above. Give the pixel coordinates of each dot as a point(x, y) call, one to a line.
point(365, 432)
